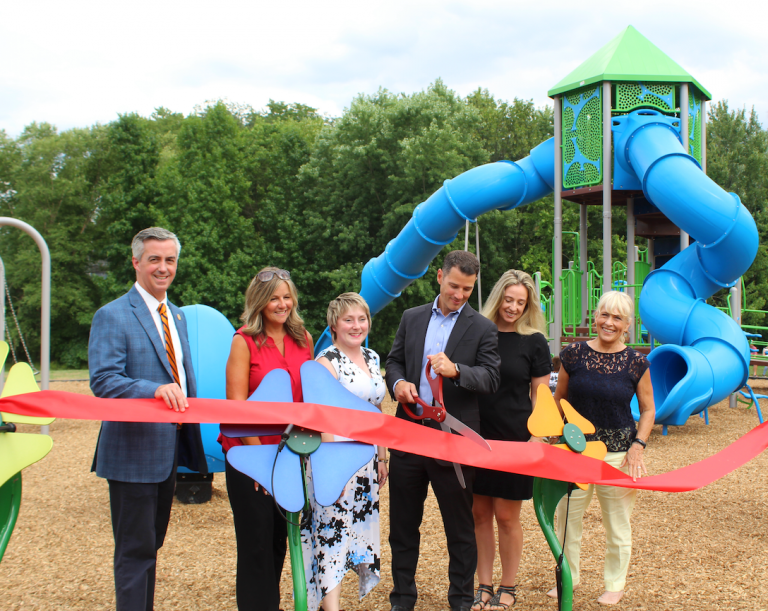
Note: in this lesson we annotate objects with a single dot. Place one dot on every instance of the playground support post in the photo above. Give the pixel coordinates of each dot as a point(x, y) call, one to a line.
point(477, 252)
point(735, 297)
point(480, 271)
point(45, 301)
point(583, 231)
point(684, 241)
point(631, 257)
point(607, 259)
point(651, 254)
point(704, 136)
point(557, 288)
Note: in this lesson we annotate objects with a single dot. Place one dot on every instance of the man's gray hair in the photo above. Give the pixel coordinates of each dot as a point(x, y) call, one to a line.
point(153, 233)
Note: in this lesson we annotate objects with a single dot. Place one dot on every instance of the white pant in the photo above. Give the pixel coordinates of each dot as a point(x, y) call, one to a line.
point(616, 505)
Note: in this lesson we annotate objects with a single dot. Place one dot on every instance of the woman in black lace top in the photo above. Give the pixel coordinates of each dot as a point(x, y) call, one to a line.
point(599, 378)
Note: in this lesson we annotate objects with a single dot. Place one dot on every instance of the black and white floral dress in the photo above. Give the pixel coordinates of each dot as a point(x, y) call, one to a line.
point(345, 536)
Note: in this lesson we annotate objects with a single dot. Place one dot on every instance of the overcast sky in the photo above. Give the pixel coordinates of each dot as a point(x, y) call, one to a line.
point(77, 63)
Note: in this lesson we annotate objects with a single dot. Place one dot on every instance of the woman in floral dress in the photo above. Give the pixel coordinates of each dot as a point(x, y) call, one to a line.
point(345, 536)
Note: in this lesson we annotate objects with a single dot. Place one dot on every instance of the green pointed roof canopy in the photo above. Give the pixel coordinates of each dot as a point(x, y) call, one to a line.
point(628, 57)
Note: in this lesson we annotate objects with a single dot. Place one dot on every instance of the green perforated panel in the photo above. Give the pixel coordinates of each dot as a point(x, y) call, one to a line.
point(694, 124)
point(636, 95)
point(582, 137)
point(575, 98)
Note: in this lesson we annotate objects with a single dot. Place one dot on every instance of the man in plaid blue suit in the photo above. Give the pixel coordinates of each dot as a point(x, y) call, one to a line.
point(129, 357)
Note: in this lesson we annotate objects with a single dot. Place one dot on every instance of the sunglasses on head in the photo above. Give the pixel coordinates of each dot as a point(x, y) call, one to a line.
point(267, 275)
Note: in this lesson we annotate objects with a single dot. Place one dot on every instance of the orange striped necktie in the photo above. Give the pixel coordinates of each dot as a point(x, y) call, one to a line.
point(170, 351)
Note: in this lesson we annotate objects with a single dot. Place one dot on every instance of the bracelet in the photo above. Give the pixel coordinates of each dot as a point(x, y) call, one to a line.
point(384, 460)
point(640, 441)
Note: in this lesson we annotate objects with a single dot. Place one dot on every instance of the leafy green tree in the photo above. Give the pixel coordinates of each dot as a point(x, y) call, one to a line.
point(202, 195)
point(129, 197)
point(288, 187)
point(510, 130)
point(277, 144)
point(229, 191)
point(49, 183)
point(520, 238)
point(737, 160)
point(367, 173)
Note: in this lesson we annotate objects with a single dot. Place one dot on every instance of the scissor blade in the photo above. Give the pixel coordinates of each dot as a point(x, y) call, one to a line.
point(463, 429)
point(459, 474)
point(456, 466)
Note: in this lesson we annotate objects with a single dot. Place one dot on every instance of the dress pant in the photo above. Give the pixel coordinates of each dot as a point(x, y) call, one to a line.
point(261, 534)
point(140, 516)
point(410, 476)
point(616, 505)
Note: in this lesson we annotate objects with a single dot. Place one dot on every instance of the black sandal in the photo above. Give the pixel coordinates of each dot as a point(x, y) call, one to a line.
point(482, 589)
point(496, 600)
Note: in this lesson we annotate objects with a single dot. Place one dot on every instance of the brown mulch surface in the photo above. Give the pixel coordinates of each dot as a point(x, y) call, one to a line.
point(697, 550)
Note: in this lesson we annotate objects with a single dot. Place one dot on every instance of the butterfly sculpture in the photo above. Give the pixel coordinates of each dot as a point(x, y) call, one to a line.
point(546, 421)
point(281, 469)
point(17, 450)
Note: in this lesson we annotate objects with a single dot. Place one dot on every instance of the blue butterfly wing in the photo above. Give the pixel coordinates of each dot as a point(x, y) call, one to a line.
point(252, 430)
point(275, 387)
point(319, 386)
point(334, 464)
point(257, 462)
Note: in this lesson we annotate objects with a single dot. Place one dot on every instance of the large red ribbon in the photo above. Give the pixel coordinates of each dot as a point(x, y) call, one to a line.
point(535, 459)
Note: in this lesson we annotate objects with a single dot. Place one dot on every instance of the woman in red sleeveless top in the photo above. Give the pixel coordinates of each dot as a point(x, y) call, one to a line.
point(272, 337)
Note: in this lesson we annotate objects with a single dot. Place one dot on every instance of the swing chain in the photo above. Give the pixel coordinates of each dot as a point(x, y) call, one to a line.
point(18, 329)
point(10, 343)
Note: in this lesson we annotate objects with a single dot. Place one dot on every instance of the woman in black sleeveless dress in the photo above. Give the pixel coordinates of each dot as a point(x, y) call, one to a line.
point(525, 364)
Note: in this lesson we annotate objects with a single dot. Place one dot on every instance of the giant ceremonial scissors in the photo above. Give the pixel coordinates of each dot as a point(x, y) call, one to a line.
point(439, 414)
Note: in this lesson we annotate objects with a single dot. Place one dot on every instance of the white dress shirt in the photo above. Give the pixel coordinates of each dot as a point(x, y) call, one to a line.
point(153, 304)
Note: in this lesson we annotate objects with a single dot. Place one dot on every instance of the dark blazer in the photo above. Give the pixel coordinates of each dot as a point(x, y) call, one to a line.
point(127, 359)
point(473, 344)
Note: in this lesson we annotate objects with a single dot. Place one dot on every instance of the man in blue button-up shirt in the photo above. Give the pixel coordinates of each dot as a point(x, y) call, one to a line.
point(460, 345)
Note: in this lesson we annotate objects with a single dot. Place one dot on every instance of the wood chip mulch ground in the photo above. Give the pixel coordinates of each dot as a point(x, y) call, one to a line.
point(694, 551)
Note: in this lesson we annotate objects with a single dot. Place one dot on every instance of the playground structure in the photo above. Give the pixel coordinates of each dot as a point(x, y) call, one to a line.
point(45, 299)
point(17, 450)
point(629, 98)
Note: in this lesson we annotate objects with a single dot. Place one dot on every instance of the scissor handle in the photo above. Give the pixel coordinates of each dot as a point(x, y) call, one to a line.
point(435, 412)
point(436, 384)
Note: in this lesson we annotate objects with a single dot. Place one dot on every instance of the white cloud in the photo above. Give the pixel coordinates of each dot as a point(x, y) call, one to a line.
point(78, 63)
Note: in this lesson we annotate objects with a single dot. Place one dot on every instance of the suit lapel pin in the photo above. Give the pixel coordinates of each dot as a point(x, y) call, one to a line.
point(178, 316)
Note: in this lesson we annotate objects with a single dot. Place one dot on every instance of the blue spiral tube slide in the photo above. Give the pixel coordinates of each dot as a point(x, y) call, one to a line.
point(706, 354)
point(503, 185)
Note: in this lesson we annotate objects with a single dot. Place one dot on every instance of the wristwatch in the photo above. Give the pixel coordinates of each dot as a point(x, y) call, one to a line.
point(640, 441)
point(458, 371)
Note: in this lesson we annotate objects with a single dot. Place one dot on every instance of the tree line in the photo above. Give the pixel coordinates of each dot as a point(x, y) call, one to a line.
point(286, 186)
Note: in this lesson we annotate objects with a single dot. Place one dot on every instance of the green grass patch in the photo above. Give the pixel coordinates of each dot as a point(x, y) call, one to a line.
point(69, 374)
